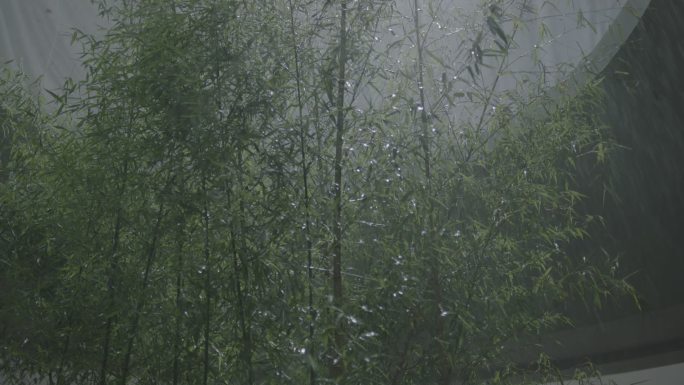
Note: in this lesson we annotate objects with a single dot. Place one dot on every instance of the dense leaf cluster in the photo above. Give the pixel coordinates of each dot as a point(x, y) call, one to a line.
point(174, 220)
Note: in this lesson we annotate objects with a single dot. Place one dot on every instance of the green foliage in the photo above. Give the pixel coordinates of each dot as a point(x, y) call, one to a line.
point(174, 220)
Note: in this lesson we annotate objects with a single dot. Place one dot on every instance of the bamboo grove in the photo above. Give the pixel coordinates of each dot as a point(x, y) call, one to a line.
point(292, 192)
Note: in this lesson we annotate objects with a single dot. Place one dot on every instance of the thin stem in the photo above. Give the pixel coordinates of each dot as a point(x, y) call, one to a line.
point(110, 279)
point(179, 310)
point(425, 137)
point(207, 283)
point(307, 210)
point(152, 251)
point(241, 268)
point(336, 366)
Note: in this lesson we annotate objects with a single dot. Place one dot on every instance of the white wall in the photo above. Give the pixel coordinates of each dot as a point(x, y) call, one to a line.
point(36, 36)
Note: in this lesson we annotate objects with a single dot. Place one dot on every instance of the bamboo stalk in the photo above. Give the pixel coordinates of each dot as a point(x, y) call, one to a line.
point(307, 203)
point(336, 365)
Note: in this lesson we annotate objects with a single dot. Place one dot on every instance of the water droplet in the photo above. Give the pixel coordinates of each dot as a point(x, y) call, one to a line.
point(369, 335)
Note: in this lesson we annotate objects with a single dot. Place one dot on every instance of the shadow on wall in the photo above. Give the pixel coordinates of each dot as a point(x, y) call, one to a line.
point(645, 87)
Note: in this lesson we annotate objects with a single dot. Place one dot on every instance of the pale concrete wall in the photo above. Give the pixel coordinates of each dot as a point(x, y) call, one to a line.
point(36, 35)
